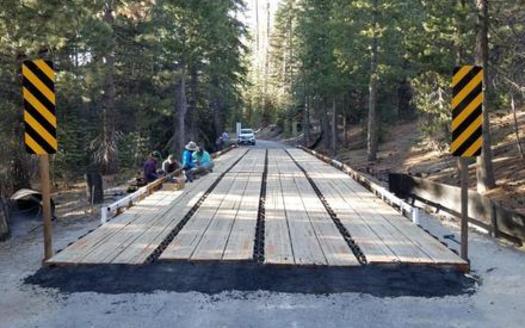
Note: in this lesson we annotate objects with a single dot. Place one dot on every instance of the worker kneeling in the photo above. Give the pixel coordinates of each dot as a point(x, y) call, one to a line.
point(203, 161)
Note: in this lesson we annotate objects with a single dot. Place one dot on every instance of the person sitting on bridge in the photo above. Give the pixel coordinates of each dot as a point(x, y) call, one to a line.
point(187, 160)
point(170, 165)
point(219, 143)
point(203, 161)
point(150, 167)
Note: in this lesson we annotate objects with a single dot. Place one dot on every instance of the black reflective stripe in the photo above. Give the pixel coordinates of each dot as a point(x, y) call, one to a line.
point(39, 140)
point(39, 95)
point(39, 118)
point(469, 142)
point(466, 79)
point(466, 122)
point(40, 75)
point(467, 100)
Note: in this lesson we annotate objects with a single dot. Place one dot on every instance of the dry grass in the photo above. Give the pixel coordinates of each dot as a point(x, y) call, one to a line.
point(405, 150)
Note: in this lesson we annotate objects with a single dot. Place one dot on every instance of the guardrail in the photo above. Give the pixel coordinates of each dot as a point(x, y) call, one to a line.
point(483, 212)
point(109, 211)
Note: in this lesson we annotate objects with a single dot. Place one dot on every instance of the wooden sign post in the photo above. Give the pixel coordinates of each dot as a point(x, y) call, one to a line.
point(40, 130)
point(467, 133)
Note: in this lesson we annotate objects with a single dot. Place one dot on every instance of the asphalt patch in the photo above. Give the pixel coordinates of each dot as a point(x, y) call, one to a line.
point(218, 277)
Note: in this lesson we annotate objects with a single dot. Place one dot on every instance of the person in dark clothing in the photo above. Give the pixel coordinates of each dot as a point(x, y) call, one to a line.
point(150, 167)
point(187, 160)
point(170, 165)
point(219, 143)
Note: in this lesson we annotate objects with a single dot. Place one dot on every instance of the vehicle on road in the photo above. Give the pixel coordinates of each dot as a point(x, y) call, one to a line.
point(246, 137)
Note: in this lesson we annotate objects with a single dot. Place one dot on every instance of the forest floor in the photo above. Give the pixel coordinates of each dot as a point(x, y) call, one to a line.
point(406, 150)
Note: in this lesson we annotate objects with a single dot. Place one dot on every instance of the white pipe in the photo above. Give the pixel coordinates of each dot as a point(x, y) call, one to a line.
point(415, 215)
point(103, 215)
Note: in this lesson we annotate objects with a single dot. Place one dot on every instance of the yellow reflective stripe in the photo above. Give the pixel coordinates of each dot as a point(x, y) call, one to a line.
point(38, 84)
point(466, 134)
point(31, 143)
point(467, 111)
point(474, 148)
point(464, 70)
point(44, 67)
point(40, 108)
point(467, 89)
point(40, 130)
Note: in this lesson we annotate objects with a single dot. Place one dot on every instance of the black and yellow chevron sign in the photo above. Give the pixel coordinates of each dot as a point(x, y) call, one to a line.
point(39, 103)
point(467, 111)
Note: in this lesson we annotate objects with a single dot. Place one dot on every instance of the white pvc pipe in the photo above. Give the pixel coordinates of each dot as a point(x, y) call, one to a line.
point(415, 215)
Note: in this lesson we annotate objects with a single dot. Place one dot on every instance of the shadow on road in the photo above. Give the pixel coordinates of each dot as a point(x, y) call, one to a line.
point(212, 278)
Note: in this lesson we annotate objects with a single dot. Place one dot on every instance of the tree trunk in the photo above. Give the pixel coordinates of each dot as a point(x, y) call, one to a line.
point(372, 99)
point(4, 214)
point(217, 108)
point(192, 103)
point(334, 128)
point(484, 170)
point(95, 188)
point(257, 38)
point(516, 126)
point(345, 129)
point(325, 123)
point(306, 122)
point(181, 108)
point(109, 160)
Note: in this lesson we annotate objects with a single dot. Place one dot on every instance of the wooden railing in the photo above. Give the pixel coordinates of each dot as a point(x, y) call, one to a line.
point(482, 211)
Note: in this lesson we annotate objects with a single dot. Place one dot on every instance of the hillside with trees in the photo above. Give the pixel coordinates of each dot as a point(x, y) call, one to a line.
point(336, 67)
point(341, 75)
point(131, 77)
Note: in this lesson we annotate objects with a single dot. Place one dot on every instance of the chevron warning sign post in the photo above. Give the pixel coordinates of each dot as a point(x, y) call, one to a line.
point(39, 103)
point(467, 111)
point(467, 131)
point(38, 90)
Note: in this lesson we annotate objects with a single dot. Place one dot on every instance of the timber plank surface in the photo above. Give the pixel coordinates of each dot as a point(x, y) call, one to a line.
point(371, 222)
point(132, 236)
point(242, 235)
point(298, 228)
point(188, 239)
point(224, 227)
point(308, 228)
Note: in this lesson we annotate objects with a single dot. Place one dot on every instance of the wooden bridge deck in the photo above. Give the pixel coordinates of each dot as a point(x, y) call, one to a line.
point(215, 219)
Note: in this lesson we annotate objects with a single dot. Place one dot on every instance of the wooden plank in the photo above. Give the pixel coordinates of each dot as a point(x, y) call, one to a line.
point(399, 234)
point(306, 247)
point(241, 240)
point(184, 244)
point(137, 247)
point(215, 236)
point(79, 249)
point(335, 248)
point(129, 237)
point(277, 242)
point(253, 162)
point(369, 241)
point(138, 253)
point(151, 239)
point(362, 203)
point(111, 247)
